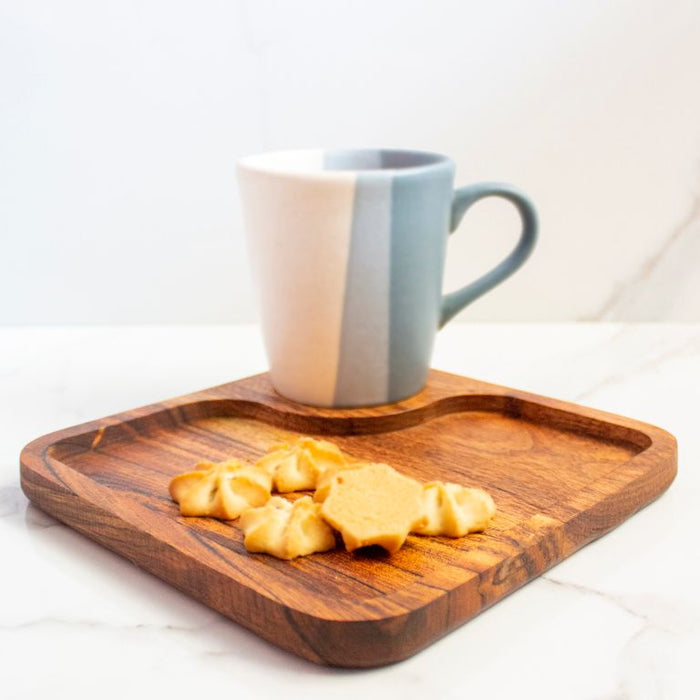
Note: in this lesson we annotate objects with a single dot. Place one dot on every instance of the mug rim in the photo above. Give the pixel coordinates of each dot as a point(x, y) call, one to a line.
point(282, 162)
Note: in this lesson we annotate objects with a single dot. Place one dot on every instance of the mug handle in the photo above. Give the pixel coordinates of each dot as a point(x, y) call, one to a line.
point(463, 198)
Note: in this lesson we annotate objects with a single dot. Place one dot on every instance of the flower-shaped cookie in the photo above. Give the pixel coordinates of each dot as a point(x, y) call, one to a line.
point(287, 530)
point(221, 490)
point(296, 466)
point(454, 510)
point(373, 505)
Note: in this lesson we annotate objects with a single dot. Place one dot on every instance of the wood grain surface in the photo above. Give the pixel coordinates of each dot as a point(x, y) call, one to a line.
point(561, 475)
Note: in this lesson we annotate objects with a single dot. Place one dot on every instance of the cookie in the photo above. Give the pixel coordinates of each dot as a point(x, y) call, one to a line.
point(220, 490)
point(454, 510)
point(296, 466)
point(373, 505)
point(326, 479)
point(286, 530)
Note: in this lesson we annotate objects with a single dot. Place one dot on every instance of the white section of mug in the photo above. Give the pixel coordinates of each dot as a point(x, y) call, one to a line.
point(299, 232)
point(293, 162)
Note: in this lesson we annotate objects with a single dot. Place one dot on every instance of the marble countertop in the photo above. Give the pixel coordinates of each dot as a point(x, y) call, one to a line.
point(619, 619)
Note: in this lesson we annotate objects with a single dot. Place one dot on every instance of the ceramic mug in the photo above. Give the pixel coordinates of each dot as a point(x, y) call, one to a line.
point(348, 247)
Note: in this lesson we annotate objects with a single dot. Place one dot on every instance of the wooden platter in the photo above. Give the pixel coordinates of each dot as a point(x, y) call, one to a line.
point(561, 475)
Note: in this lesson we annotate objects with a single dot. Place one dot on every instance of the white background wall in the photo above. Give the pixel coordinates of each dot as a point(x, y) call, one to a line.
point(120, 122)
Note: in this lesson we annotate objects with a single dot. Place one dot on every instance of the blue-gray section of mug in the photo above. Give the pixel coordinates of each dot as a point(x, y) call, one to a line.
point(420, 216)
point(363, 364)
point(382, 159)
point(464, 197)
point(364, 159)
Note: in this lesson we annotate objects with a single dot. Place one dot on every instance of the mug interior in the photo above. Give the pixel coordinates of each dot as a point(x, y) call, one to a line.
point(352, 160)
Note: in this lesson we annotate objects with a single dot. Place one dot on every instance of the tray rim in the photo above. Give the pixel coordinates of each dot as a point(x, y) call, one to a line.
point(659, 437)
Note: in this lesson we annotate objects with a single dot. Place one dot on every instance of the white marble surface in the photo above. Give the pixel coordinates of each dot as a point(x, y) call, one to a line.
point(618, 620)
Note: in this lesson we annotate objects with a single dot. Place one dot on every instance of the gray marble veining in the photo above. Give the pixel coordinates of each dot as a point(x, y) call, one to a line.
point(666, 287)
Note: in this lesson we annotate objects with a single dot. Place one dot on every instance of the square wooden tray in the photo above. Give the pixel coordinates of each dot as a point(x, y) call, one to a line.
point(561, 475)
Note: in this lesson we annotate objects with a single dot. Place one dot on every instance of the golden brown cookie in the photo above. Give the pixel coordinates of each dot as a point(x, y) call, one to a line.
point(326, 479)
point(220, 490)
point(454, 510)
point(286, 530)
point(373, 505)
point(296, 466)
